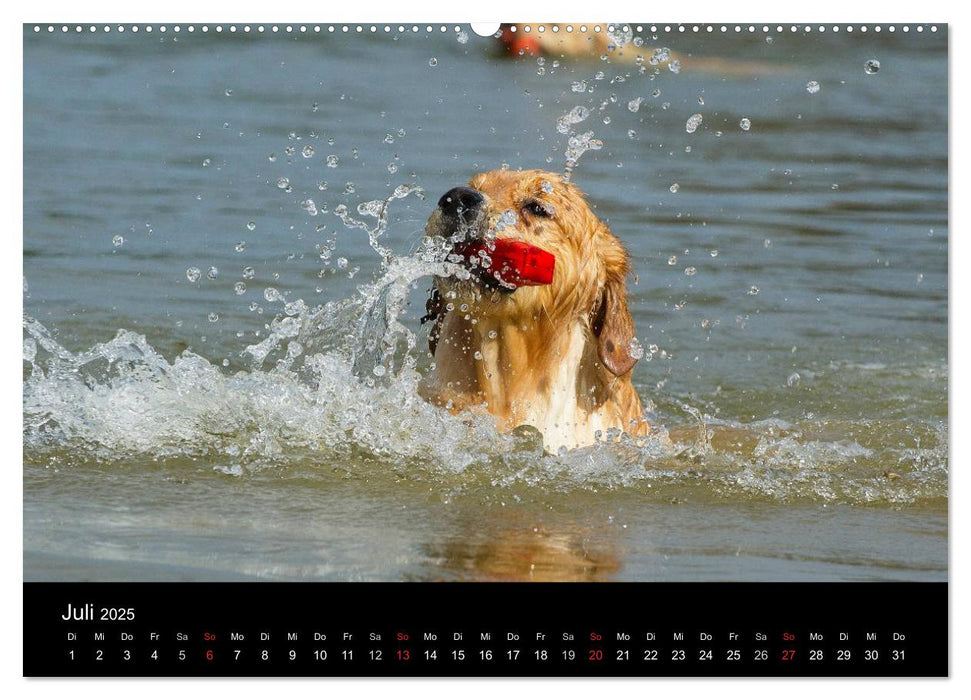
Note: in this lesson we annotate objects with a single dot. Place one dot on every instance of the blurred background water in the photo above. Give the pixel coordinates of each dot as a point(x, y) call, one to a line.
point(791, 255)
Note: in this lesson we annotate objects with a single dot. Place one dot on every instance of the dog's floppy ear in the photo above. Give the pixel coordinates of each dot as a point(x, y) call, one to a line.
point(612, 323)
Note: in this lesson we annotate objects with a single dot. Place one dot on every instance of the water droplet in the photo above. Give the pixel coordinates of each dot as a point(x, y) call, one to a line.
point(349, 188)
point(694, 121)
point(213, 317)
point(249, 273)
point(206, 162)
point(675, 187)
point(239, 288)
point(767, 243)
point(631, 134)
point(690, 271)
point(673, 260)
point(871, 66)
point(251, 225)
point(462, 38)
point(753, 290)
point(620, 34)
point(656, 93)
point(634, 104)
point(309, 206)
point(272, 294)
point(579, 86)
point(477, 355)
point(701, 100)
point(492, 335)
point(574, 116)
point(812, 87)
point(636, 349)
point(229, 92)
point(342, 263)
point(793, 379)
point(433, 62)
point(332, 161)
point(714, 253)
point(378, 371)
point(283, 183)
point(745, 124)
point(834, 186)
point(674, 66)
point(213, 272)
point(308, 151)
point(118, 241)
point(240, 246)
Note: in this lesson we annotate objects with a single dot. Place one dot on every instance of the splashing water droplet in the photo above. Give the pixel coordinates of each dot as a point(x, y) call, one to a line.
point(433, 62)
point(229, 92)
point(620, 34)
point(213, 272)
point(462, 38)
point(631, 134)
point(309, 206)
point(239, 288)
point(753, 290)
point(745, 124)
point(694, 121)
point(283, 183)
point(579, 86)
point(332, 161)
point(673, 260)
point(574, 116)
point(634, 104)
point(249, 273)
point(674, 66)
point(636, 349)
point(118, 241)
point(272, 294)
point(213, 317)
point(193, 274)
point(689, 271)
point(251, 225)
point(793, 379)
point(812, 87)
point(675, 187)
point(241, 246)
point(308, 151)
point(871, 66)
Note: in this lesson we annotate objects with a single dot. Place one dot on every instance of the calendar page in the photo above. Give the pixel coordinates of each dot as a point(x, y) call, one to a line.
point(601, 349)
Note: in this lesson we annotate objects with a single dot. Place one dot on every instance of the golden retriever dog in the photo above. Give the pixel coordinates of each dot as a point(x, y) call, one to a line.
point(555, 356)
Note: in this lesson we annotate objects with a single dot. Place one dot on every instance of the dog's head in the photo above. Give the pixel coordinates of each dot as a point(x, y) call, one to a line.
point(542, 210)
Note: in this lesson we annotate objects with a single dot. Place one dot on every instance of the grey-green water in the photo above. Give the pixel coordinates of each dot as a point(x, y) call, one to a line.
point(791, 295)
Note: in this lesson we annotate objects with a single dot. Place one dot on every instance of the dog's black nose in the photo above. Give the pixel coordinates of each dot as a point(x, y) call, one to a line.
point(461, 202)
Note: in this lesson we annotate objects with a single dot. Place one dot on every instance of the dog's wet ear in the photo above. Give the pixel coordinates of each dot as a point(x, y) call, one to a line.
point(612, 323)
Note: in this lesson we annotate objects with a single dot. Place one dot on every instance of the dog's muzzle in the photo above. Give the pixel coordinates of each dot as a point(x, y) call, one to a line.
point(460, 206)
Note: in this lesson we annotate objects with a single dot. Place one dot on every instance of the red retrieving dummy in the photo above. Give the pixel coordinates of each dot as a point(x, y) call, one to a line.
point(513, 262)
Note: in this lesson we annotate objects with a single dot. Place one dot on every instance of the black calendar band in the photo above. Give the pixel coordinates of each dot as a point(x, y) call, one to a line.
point(485, 629)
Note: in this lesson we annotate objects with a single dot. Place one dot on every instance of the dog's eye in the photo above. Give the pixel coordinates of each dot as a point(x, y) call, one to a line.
point(538, 208)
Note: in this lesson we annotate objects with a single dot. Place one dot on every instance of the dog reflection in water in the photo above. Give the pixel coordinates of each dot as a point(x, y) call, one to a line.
point(526, 555)
point(540, 332)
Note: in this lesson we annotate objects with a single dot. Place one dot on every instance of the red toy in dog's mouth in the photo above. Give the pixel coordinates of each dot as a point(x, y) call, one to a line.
point(513, 263)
